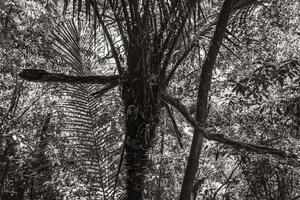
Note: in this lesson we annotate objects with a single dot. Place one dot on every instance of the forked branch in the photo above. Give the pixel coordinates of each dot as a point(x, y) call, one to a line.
point(260, 149)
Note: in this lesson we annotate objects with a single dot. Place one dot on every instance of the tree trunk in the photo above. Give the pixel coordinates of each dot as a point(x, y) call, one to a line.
point(202, 100)
point(140, 131)
point(3, 180)
point(136, 162)
point(141, 98)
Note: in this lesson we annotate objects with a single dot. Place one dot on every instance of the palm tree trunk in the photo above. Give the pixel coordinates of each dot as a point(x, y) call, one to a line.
point(136, 162)
point(139, 136)
point(141, 98)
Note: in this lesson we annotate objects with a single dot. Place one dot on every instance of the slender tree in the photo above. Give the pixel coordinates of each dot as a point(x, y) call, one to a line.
point(202, 99)
point(152, 31)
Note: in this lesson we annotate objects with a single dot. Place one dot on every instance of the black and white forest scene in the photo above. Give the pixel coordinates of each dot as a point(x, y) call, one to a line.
point(149, 100)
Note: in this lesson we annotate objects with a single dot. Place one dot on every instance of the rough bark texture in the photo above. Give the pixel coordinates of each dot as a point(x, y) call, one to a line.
point(136, 162)
point(141, 98)
point(203, 89)
point(142, 115)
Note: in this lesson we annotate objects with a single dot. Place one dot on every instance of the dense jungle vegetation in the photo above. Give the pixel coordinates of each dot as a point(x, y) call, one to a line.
point(149, 99)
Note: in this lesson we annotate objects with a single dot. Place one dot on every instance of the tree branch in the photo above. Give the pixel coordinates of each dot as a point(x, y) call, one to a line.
point(177, 132)
point(104, 90)
point(177, 64)
point(260, 149)
point(109, 38)
point(38, 75)
point(226, 181)
point(202, 100)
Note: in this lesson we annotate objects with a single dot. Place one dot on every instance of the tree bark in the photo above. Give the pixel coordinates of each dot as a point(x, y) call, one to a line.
point(142, 103)
point(202, 101)
point(136, 162)
point(140, 124)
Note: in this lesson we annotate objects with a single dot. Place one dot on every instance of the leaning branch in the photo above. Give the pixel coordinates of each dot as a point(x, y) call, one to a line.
point(38, 75)
point(109, 38)
point(260, 149)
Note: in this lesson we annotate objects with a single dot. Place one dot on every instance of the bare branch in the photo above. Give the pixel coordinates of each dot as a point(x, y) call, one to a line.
point(38, 75)
point(177, 64)
point(260, 149)
point(240, 4)
point(193, 44)
point(109, 38)
point(104, 90)
point(185, 13)
point(227, 181)
point(120, 26)
point(178, 134)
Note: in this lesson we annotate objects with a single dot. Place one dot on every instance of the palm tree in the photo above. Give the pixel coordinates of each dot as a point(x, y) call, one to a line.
point(149, 40)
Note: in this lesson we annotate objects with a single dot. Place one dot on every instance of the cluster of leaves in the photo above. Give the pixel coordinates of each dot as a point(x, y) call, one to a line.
point(267, 76)
point(255, 98)
point(25, 140)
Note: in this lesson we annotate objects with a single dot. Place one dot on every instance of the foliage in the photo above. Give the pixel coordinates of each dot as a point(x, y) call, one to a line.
point(25, 146)
point(67, 141)
point(90, 128)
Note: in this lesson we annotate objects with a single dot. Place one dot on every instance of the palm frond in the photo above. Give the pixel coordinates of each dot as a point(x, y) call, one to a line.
point(90, 122)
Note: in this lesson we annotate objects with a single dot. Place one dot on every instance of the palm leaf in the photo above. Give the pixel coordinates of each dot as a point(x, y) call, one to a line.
point(90, 123)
